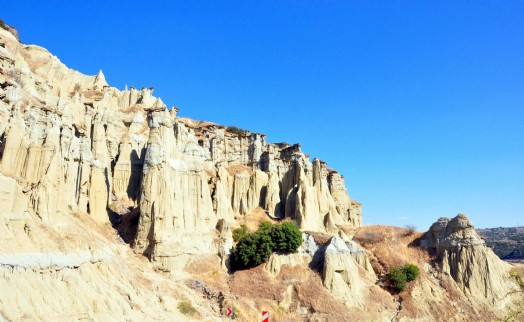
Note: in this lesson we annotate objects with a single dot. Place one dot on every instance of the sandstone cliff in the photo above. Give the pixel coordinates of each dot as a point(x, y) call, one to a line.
point(75, 143)
point(111, 206)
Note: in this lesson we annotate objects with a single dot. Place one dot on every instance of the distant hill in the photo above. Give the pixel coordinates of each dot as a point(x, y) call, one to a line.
point(507, 243)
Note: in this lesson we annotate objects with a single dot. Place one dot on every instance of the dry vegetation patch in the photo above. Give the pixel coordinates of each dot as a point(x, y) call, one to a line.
point(239, 168)
point(432, 294)
point(312, 295)
point(254, 218)
point(256, 283)
point(93, 94)
point(320, 238)
point(133, 108)
point(195, 124)
point(207, 269)
point(295, 288)
point(187, 309)
point(391, 246)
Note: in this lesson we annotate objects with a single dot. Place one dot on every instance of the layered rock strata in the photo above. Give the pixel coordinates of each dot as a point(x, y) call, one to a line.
point(73, 143)
point(463, 255)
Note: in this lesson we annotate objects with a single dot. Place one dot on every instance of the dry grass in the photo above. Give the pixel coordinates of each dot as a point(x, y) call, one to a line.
point(196, 124)
point(389, 245)
point(312, 294)
point(206, 268)
point(187, 309)
point(256, 283)
point(133, 108)
point(257, 291)
point(320, 238)
point(239, 168)
point(430, 295)
point(517, 273)
point(254, 218)
point(93, 94)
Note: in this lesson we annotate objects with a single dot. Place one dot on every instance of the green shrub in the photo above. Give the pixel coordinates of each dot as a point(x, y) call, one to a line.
point(266, 227)
point(3, 25)
point(397, 277)
point(236, 313)
point(240, 233)
point(253, 249)
point(287, 237)
point(235, 130)
point(412, 272)
point(186, 308)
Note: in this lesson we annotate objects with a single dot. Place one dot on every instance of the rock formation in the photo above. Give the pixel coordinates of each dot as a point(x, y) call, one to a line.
point(81, 160)
point(465, 257)
point(345, 265)
point(75, 143)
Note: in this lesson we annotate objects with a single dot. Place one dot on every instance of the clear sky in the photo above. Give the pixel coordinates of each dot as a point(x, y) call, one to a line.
point(419, 104)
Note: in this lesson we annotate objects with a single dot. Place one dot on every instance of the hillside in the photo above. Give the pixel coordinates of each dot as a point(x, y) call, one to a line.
point(112, 207)
point(507, 243)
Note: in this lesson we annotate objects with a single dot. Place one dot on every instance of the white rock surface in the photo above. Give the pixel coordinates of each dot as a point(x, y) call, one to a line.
point(342, 274)
point(72, 142)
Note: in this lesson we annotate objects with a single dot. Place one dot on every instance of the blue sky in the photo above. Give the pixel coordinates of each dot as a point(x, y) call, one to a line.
point(419, 104)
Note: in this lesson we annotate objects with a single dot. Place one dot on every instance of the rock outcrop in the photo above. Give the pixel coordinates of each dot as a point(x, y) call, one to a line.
point(463, 255)
point(343, 265)
point(79, 158)
point(72, 142)
point(346, 270)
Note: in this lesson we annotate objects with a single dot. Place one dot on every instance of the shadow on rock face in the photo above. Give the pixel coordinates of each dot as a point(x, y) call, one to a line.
point(125, 224)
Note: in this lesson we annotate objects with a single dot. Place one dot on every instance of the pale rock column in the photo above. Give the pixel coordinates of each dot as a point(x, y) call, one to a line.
point(99, 181)
point(84, 174)
point(47, 197)
point(240, 188)
point(15, 151)
point(222, 198)
point(153, 188)
point(314, 207)
point(346, 207)
point(13, 202)
point(272, 201)
point(341, 275)
point(257, 190)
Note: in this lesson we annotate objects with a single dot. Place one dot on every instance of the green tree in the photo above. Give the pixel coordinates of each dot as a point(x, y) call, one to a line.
point(253, 249)
point(400, 276)
point(287, 237)
point(240, 233)
point(266, 227)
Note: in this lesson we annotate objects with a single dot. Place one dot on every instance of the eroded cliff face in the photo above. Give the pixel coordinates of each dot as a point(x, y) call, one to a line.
point(463, 255)
point(73, 143)
point(77, 155)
